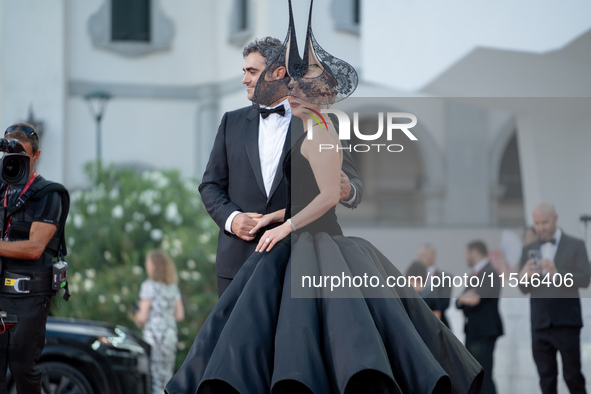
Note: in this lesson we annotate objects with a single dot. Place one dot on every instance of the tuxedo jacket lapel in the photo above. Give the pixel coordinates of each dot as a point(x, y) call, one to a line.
point(560, 249)
point(251, 142)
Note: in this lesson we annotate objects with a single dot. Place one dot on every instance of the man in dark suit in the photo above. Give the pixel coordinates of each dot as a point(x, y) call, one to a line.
point(244, 177)
point(481, 307)
point(438, 299)
point(555, 305)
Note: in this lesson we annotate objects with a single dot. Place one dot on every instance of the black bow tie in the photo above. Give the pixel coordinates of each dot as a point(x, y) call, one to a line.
point(265, 112)
point(551, 240)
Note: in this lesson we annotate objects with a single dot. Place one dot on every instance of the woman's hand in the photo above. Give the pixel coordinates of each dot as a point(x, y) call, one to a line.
point(267, 219)
point(271, 237)
point(261, 222)
point(142, 315)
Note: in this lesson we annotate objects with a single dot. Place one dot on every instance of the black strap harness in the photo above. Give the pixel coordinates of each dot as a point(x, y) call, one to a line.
point(31, 282)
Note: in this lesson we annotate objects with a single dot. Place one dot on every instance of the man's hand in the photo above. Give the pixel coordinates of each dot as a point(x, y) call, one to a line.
point(469, 298)
point(548, 266)
point(263, 221)
point(345, 187)
point(243, 223)
point(528, 269)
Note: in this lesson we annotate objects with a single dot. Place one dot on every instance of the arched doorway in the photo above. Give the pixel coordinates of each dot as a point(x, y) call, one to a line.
point(510, 197)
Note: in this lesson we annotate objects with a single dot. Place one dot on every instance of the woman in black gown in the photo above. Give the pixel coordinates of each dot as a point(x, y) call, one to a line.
point(270, 332)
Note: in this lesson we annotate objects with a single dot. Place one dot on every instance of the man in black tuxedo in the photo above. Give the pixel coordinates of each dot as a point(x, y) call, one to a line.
point(555, 309)
point(244, 176)
point(481, 307)
point(438, 299)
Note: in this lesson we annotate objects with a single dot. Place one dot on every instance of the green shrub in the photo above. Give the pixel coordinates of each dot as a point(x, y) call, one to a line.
point(109, 231)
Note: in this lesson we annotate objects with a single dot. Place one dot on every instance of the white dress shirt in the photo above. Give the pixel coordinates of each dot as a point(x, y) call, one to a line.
point(548, 250)
point(479, 266)
point(272, 133)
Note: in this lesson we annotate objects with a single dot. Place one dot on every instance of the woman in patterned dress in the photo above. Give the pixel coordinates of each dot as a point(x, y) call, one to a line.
point(160, 308)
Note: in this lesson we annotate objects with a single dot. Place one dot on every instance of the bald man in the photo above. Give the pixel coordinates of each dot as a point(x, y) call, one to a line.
point(556, 309)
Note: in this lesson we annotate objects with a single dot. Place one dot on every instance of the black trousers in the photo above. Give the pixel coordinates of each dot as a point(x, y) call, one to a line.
point(482, 349)
point(545, 344)
point(21, 346)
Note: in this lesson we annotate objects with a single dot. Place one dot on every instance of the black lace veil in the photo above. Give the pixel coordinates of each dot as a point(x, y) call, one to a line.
point(318, 77)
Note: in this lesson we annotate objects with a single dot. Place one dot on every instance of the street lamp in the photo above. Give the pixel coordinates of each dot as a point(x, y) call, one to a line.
point(97, 101)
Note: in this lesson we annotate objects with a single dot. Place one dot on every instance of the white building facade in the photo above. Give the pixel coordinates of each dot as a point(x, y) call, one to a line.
point(504, 88)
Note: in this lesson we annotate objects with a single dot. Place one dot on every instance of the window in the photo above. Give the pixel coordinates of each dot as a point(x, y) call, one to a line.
point(130, 20)
point(131, 27)
point(240, 23)
point(243, 17)
point(347, 15)
point(356, 12)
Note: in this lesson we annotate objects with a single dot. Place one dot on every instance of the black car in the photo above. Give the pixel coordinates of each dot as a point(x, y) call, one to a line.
point(88, 357)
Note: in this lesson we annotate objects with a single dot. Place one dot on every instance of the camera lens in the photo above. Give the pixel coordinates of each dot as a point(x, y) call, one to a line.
point(15, 168)
point(12, 168)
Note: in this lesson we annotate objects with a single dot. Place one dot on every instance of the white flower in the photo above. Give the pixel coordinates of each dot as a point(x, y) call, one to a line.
point(155, 209)
point(76, 195)
point(108, 255)
point(90, 273)
point(122, 307)
point(191, 185)
point(149, 196)
point(91, 209)
point(172, 214)
point(71, 241)
point(96, 194)
point(191, 264)
point(88, 284)
point(185, 331)
point(139, 217)
point(162, 183)
point(125, 290)
point(116, 298)
point(114, 194)
point(204, 238)
point(102, 299)
point(195, 203)
point(211, 258)
point(137, 270)
point(77, 277)
point(147, 226)
point(196, 275)
point(158, 179)
point(117, 212)
point(78, 220)
point(129, 227)
point(130, 199)
point(185, 275)
point(156, 234)
point(181, 346)
point(74, 288)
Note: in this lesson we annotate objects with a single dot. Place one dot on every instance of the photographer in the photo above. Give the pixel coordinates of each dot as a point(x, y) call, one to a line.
point(555, 307)
point(32, 234)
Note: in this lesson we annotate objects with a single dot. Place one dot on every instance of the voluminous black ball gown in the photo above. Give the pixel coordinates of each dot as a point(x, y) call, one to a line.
point(270, 334)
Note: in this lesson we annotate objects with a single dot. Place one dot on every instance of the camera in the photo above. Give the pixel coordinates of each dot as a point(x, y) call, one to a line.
point(535, 255)
point(15, 162)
